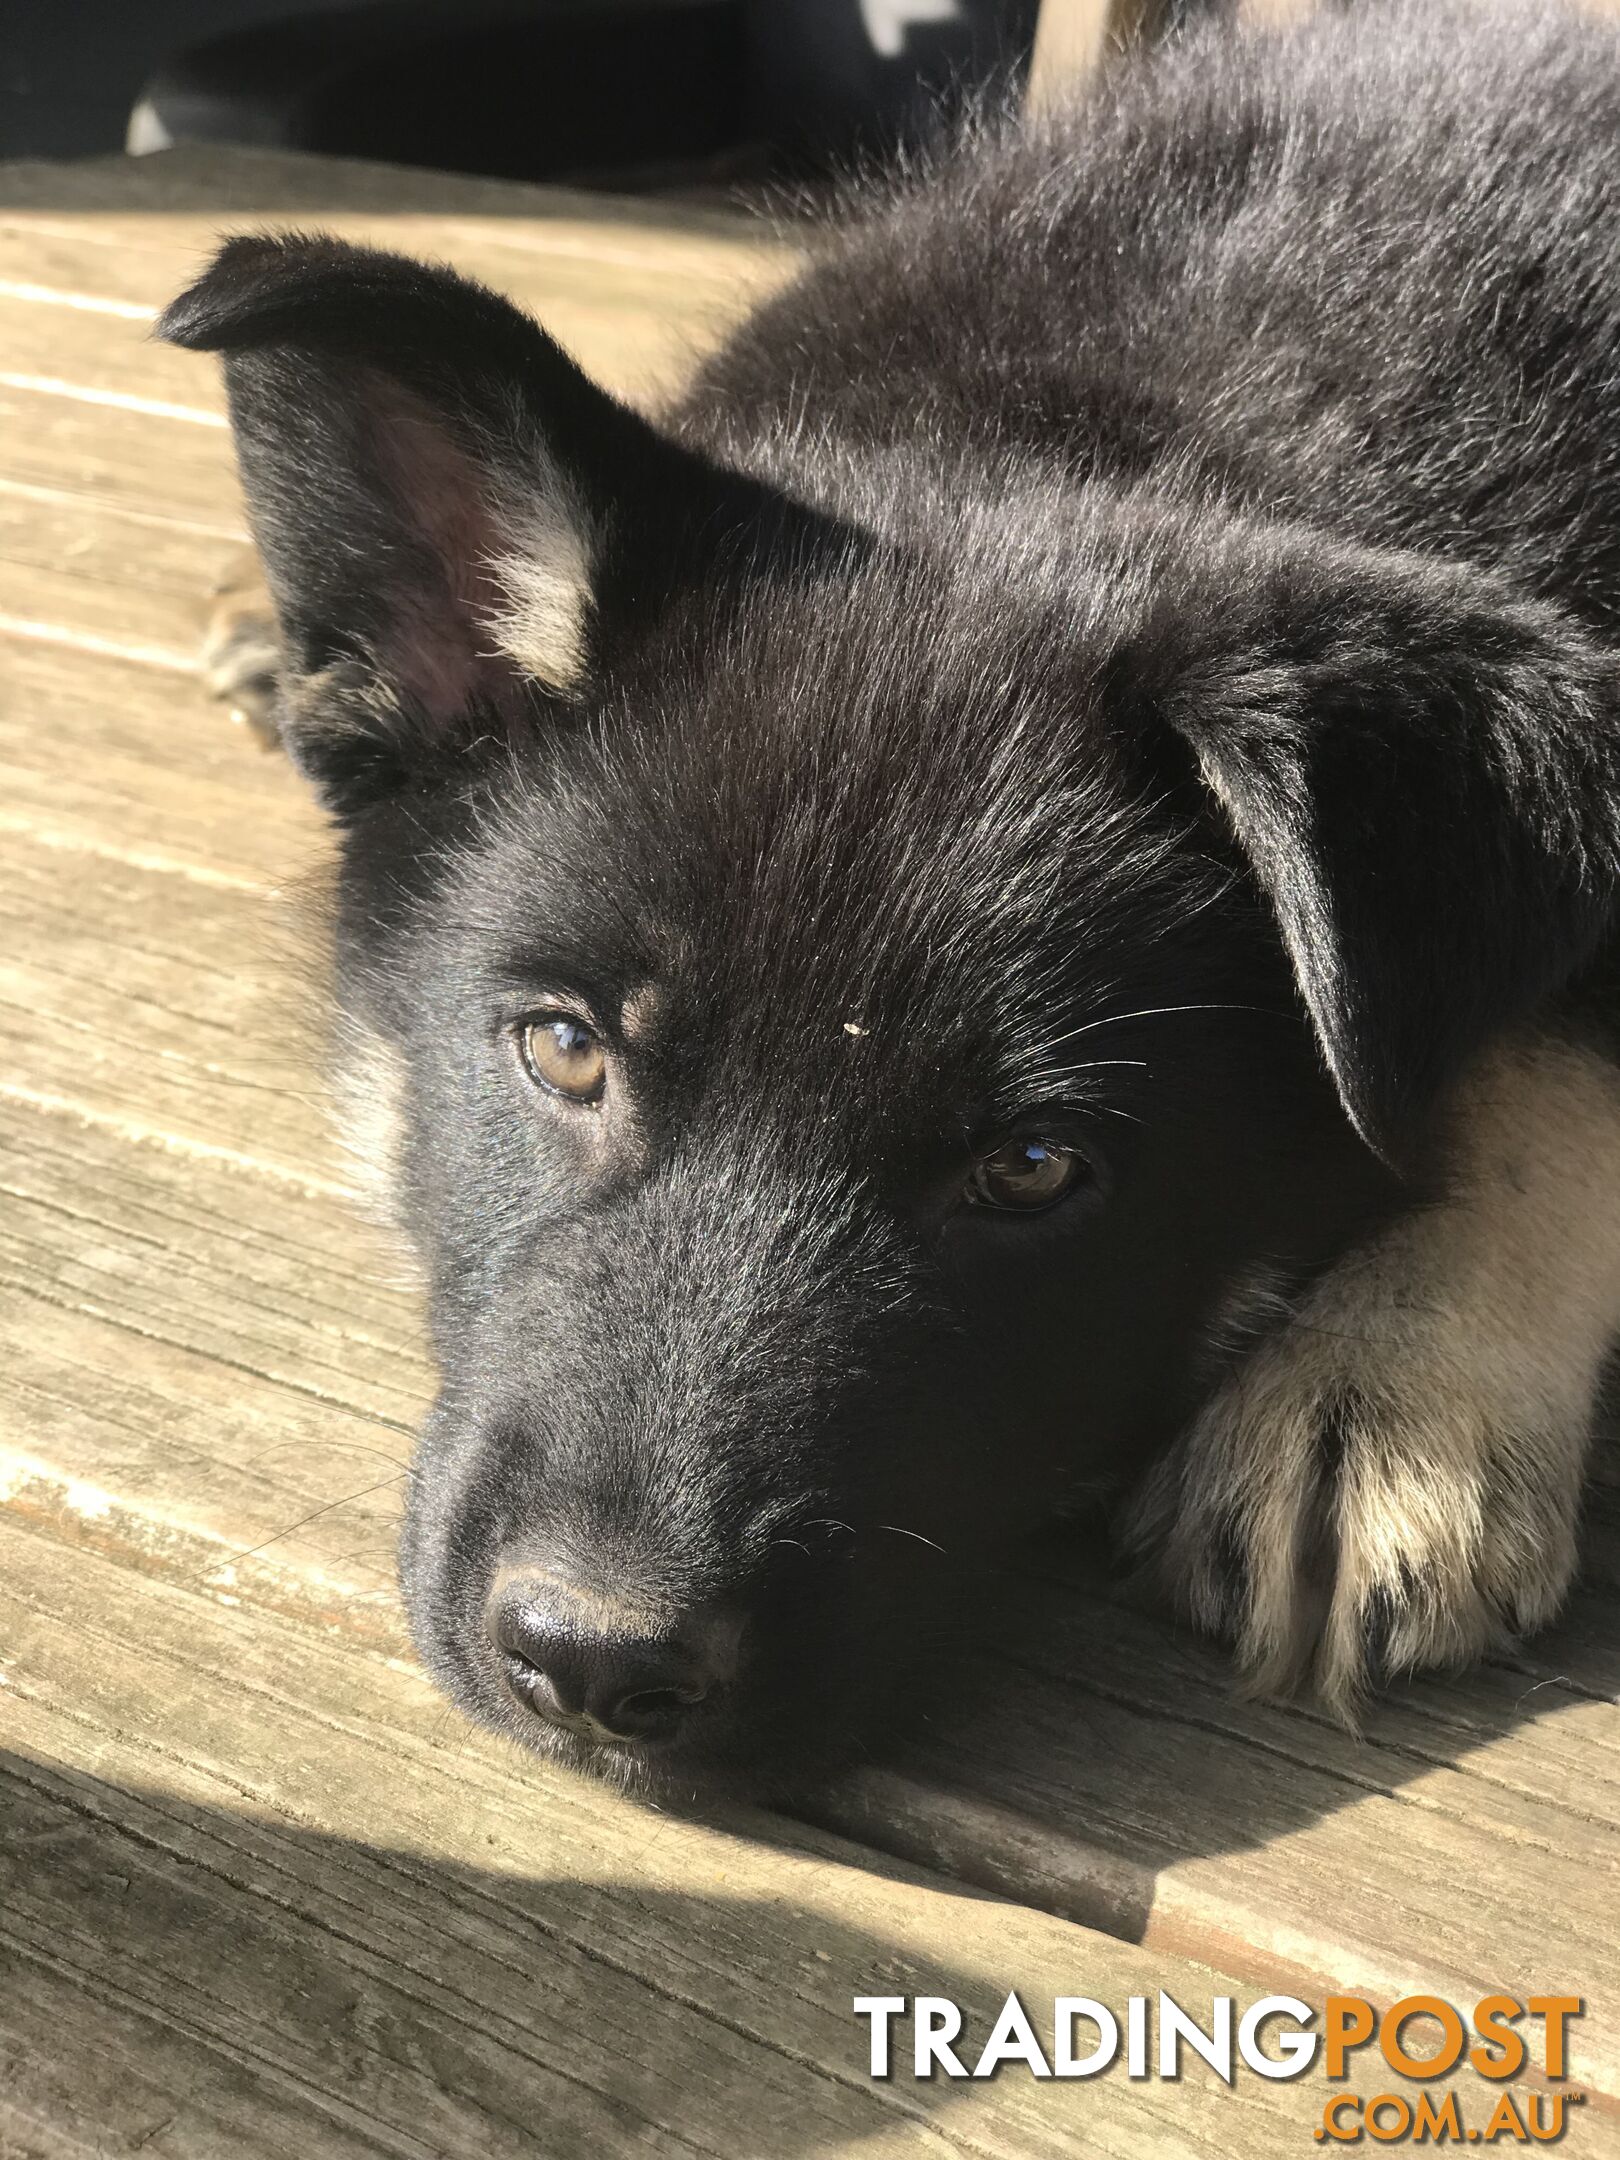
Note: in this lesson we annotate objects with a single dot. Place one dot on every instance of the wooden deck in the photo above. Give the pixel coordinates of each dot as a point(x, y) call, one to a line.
point(263, 1892)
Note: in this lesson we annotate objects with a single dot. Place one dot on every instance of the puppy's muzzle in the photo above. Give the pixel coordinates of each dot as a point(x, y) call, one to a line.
point(603, 1669)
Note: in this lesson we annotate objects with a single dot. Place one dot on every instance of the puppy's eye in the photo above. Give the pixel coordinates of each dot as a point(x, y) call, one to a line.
point(1027, 1175)
point(564, 1056)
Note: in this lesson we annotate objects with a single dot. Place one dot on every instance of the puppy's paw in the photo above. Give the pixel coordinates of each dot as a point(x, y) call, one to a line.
point(1391, 1480)
point(1367, 1496)
point(241, 652)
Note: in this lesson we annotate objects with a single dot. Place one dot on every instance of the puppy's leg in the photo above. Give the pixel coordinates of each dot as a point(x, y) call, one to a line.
point(1391, 1479)
point(241, 650)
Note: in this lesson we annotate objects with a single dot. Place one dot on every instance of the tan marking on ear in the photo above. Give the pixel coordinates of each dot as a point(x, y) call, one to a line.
point(542, 573)
point(1407, 1454)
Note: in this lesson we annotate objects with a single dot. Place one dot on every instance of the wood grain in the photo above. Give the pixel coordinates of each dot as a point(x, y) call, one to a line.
point(284, 1879)
point(214, 1032)
point(112, 753)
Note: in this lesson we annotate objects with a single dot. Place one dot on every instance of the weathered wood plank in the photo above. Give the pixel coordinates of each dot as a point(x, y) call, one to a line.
point(149, 1407)
point(140, 2084)
point(631, 254)
point(111, 755)
point(118, 237)
point(1428, 1856)
point(83, 354)
point(64, 603)
point(201, 183)
point(196, 1472)
point(76, 447)
point(166, 1003)
point(274, 1875)
point(179, 1247)
point(147, 549)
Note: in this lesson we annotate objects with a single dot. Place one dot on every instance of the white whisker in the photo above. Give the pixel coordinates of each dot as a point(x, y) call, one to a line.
point(1159, 1012)
point(900, 1531)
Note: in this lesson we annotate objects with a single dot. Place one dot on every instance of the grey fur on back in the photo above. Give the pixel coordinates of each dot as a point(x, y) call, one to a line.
point(1389, 306)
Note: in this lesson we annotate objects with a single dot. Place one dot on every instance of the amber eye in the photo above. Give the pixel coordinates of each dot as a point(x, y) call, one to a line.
point(564, 1055)
point(1026, 1174)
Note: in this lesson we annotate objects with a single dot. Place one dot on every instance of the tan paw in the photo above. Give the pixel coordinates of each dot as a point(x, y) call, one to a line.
point(1391, 1480)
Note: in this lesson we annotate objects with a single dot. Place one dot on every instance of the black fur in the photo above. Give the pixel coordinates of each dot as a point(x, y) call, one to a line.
point(1118, 651)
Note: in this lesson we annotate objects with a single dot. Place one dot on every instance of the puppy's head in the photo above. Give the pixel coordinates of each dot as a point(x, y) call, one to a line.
point(855, 995)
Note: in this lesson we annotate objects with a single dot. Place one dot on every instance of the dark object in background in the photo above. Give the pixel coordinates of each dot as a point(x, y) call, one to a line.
point(607, 90)
point(841, 79)
point(510, 87)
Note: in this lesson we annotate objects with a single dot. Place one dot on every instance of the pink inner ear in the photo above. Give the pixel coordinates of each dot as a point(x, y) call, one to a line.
point(437, 651)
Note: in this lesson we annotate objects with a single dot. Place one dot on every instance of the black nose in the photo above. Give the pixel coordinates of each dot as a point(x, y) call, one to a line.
point(601, 1668)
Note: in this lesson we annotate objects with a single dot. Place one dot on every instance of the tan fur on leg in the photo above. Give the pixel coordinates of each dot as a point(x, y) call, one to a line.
point(1403, 1458)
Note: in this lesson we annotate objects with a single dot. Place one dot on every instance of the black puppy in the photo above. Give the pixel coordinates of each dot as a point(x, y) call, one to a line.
point(1012, 902)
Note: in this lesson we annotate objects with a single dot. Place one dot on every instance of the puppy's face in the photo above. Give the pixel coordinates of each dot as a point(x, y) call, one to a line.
point(835, 1108)
point(857, 1002)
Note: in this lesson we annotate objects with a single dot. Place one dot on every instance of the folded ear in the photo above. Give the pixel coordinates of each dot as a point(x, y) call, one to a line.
point(1423, 771)
point(444, 503)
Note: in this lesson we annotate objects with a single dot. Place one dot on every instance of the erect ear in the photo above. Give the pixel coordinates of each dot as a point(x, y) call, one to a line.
point(1423, 771)
point(443, 502)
